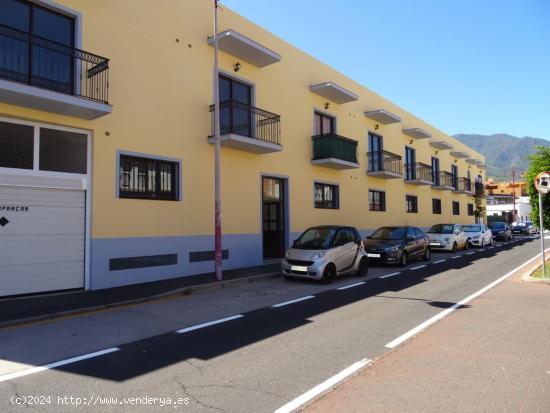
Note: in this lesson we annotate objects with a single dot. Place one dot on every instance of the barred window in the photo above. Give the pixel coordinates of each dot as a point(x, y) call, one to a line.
point(16, 146)
point(456, 208)
point(377, 200)
point(326, 196)
point(436, 206)
point(146, 178)
point(471, 210)
point(411, 204)
point(62, 151)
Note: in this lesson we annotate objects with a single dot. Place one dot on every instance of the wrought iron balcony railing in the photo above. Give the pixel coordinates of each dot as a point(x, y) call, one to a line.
point(331, 145)
point(443, 180)
point(33, 60)
point(384, 161)
point(464, 185)
point(418, 171)
point(244, 120)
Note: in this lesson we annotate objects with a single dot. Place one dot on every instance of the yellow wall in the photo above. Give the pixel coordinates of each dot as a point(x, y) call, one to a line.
point(161, 90)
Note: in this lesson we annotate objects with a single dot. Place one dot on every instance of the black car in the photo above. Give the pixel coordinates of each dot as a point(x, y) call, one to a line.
point(520, 228)
point(501, 230)
point(397, 245)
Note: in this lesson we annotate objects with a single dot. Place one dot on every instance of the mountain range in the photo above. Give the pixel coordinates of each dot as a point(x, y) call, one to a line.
point(502, 152)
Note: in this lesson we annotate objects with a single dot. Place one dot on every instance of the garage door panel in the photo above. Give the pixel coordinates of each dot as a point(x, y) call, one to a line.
point(43, 221)
point(43, 248)
point(33, 278)
point(42, 240)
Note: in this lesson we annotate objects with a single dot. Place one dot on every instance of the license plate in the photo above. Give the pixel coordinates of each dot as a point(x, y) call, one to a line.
point(298, 268)
point(435, 244)
point(373, 255)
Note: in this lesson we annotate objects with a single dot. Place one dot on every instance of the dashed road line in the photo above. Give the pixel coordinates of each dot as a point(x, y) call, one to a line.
point(209, 323)
point(438, 262)
point(345, 287)
point(390, 275)
point(417, 268)
point(455, 257)
point(297, 300)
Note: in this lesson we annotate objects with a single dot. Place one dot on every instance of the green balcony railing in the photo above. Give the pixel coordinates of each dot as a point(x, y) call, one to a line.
point(331, 145)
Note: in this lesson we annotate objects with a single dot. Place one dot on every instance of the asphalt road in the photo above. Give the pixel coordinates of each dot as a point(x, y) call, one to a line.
point(270, 355)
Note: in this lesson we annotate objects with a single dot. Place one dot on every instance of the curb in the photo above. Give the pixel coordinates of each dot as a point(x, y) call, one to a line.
point(184, 291)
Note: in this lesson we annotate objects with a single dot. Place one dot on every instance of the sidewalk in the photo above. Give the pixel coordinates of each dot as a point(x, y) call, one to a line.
point(493, 356)
point(43, 306)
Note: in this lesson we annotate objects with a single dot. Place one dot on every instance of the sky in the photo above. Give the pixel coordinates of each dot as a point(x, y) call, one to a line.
point(464, 66)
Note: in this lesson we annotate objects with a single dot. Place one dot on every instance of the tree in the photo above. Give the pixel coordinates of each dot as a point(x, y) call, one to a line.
point(479, 208)
point(539, 162)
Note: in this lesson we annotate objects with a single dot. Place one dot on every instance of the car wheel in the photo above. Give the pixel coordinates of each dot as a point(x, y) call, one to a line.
point(482, 245)
point(329, 274)
point(492, 242)
point(466, 245)
point(454, 247)
point(427, 255)
point(362, 268)
point(404, 259)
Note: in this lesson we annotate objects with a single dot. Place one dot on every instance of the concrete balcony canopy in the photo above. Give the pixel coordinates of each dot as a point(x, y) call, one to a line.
point(19, 94)
point(382, 116)
point(235, 44)
point(417, 133)
point(472, 161)
point(460, 154)
point(441, 145)
point(333, 92)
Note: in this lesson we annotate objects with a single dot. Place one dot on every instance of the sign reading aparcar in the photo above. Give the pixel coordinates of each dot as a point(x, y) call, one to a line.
point(542, 182)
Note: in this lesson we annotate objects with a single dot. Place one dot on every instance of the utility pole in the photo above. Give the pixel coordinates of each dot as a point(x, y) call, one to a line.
point(217, 157)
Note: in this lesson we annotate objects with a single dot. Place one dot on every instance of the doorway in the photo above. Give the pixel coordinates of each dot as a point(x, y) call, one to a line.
point(273, 217)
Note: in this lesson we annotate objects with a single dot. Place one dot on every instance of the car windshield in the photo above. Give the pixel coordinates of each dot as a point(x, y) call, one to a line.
point(496, 225)
point(471, 228)
point(441, 229)
point(518, 224)
point(315, 239)
point(390, 233)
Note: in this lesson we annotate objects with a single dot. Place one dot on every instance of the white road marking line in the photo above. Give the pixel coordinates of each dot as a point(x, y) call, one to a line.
point(321, 388)
point(455, 257)
point(345, 287)
point(297, 300)
point(209, 323)
point(417, 268)
point(471, 253)
point(399, 340)
point(38, 369)
point(438, 262)
point(390, 275)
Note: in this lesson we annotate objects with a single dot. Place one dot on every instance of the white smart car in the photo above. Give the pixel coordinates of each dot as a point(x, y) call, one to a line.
point(478, 235)
point(447, 237)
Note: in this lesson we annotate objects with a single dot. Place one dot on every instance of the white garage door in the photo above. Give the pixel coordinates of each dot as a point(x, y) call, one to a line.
point(41, 240)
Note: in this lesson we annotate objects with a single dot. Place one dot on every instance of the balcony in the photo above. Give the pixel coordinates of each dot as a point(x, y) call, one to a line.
point(247, 128)
point(443, 181)
point(334, 151)
point(40, 74)
point(463, 186)
point(479, 188)
point(418, 174)
point(384, 164)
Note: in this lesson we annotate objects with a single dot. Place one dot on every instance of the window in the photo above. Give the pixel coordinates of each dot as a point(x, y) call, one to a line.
point(326, 196)
point(411, 204)
point(410, 164)
point(418, 233)
point(323, 124)
point(471, 210)
point(377, 200)
point(62, 151)
point(436, 206)
point(456, 208)
point(39, 63)
point(146, 178)
point(435, 171)
point(454, 177)
point(376, 156)
point(344, 236)
point(16, 146)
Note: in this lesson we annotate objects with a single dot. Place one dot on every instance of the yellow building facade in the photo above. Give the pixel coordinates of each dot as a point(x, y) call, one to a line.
point(302, 145)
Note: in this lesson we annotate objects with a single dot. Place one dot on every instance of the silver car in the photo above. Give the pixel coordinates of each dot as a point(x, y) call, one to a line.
point(324, 252)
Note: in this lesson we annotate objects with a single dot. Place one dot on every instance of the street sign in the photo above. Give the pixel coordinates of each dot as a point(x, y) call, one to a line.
point(542, 182)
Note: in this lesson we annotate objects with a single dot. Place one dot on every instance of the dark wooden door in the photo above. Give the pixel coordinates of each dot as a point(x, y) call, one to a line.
point(273, 217)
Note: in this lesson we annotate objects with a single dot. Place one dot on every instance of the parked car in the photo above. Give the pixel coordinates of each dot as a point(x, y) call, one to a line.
point(501, 231)
point(532, 228)
point(447, 237)
point(397, 245)
point(324, 252)
point(478, 235)
point(520, 228)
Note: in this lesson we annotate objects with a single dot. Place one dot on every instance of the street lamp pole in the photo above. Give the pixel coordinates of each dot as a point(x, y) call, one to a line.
point(217, 157)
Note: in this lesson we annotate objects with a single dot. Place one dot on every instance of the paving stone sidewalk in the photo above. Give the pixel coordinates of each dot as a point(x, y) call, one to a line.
point(493, 356)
